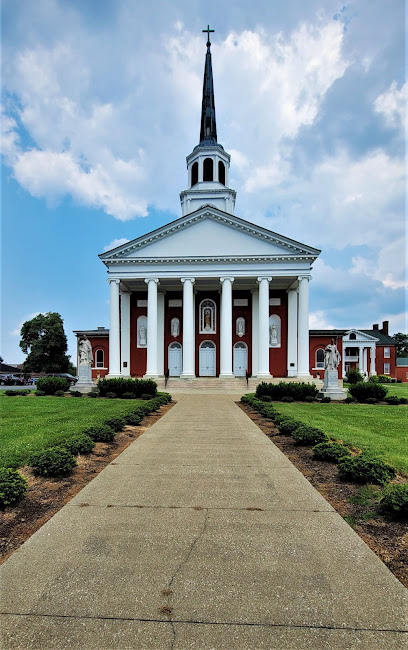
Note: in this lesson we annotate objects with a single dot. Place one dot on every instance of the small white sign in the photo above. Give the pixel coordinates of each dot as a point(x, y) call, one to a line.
point(141, 303)
point(175, 302)
point(274, 301)
point(240, 302)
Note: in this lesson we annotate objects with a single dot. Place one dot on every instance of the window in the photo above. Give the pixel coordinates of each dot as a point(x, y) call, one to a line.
point(221, 172)
point(100, 359)
point(387, 353)
point(207, 317)
point(352, 337)
point(319, 358)
point(208, 170)
point(386, 368)
point(194, 174)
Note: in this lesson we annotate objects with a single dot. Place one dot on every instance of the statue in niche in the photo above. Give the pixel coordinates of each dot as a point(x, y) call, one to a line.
point(332, 356)
point(207, 319)
point(273, 336)
point(175, 327)
point(85, 351)
point(240, 326)
point(142, 335)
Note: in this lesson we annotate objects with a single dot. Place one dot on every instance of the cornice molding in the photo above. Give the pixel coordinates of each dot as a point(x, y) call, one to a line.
point(210, 260)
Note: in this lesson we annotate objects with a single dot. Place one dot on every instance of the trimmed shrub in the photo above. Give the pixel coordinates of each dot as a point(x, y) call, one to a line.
point(55, 461)
point(111, 395)
point(325, 400)
point(13, 487)
point(354, 376)
point(403, 400)
point(39, 393)
point(11, 393)
point(330, 451)
point(130, 395)
point(393, 400)
point(350, 400)
point(288, 426)
point(365, 468)
point(365, 389)
point(135, 418)
point(75, 393)
point(371, 400)
point(49, 385)
point(309, 399)
point(297, 390)
point(287, 399)
point(146, 396)
point(395, 499)
point(79, 444)
point(117, 424)
point(266, 398)
point(59, 393)
point(385, 379)
point(101, 433)
point(93, 393)
point(120, 385)
point(305, 435)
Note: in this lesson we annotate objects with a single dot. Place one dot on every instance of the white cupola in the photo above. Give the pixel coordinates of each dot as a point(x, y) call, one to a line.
point(208, 164)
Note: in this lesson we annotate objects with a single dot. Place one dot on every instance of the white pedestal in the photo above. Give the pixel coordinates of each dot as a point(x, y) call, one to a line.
point(331, 386)
point(84, 383)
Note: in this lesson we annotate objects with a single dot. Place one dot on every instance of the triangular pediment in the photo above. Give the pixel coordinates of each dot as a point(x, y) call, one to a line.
point(209, 233)
point(356, 336)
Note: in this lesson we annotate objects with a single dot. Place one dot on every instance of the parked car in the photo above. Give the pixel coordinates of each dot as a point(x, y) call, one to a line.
point(11, 380)
point(65, 375)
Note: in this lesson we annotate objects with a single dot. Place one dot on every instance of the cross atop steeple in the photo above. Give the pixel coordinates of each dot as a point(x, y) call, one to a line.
point(208, 30)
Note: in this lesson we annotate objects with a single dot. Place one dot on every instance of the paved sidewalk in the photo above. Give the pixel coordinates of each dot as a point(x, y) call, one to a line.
point(200, 535)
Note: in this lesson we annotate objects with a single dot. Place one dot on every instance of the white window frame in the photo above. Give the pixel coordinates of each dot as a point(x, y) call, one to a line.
point(387, 353)
point(102, 367)
point(208, 304)
point(387, 368)
point(321, 366)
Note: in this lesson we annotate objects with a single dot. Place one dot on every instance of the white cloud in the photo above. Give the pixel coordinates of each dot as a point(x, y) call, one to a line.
point(115, 243)
point(392, 104)
point(17, 330)
point(319, 320)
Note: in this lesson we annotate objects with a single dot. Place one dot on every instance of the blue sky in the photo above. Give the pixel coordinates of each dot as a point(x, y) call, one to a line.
point(101, 104)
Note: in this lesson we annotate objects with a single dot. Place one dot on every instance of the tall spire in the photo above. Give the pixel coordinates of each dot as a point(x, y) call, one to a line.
point(208, 131)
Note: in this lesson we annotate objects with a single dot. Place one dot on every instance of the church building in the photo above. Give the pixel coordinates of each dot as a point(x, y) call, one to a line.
point(209, 294)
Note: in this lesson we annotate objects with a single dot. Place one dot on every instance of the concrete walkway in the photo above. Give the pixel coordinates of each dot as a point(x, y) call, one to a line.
point(200, 535)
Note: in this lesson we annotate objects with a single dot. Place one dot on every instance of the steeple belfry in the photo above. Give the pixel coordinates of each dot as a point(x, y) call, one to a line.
point(208, 164)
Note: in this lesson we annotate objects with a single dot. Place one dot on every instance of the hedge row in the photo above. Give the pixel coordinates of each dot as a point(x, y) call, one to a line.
point(60, 460)
point(298, 391)
point(363, 468)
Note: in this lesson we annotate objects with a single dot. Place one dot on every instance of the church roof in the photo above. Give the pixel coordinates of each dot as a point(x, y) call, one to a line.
point(266, 243)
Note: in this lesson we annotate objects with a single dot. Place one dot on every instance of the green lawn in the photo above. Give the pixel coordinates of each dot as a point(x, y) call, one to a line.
point(29, 424)
point(382, 429)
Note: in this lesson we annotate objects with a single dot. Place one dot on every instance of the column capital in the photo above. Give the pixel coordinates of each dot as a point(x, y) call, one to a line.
point(294, 289)
point(304, 277)
point(113, 280)
point(183, 280)
point(156, 280)
point(227, 277)
point(125, 292)
point(264, 277)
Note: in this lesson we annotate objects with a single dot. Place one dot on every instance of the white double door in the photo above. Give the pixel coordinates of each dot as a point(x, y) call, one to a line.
point(240, 360)
point(207, 359)
point(175, 360)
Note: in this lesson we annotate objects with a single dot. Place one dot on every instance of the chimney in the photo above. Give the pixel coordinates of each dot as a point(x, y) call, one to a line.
point(385, 327)
point(375, 326)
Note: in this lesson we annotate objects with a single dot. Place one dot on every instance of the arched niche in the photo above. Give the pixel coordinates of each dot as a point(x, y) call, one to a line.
point(194, 174)
point(240, 326)
point(208, 317)
point(274, 331)
point(142, 332)
point(208, 169)
point(221, 172)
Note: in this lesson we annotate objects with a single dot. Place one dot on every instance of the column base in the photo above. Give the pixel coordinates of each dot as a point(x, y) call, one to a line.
point(292, 372)
point(304, 376)
point(187, 375)
point(113, 375)
point(227, 375)
point(264, 375)
point(151, 375)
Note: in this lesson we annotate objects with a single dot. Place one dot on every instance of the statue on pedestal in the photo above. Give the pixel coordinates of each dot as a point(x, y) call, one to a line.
point(332, 356)
point(85, 351)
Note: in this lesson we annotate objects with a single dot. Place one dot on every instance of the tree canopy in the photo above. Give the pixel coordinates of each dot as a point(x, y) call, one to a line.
point(402, 344)
point(43, 340)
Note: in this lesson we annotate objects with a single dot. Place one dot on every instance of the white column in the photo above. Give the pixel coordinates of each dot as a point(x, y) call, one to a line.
point(188, 328)
point(226, 328)
point(360, 358)
point(365, 361)
point(372, 368)
point(160, 333)
point(151, 369)
point(114, 332)
point(343, 359)
point(263, 328)
point(292, 331)
point(303, 327)
point(255, 331)
point(125, 332)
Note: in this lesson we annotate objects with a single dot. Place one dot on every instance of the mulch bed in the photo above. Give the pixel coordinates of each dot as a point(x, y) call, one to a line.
point(387, 537)
point(45, 497)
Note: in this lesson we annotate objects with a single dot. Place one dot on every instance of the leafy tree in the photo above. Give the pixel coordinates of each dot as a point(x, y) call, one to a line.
point(44, 340)
point(72, 369)
point(1, 359)
point(402, 344)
